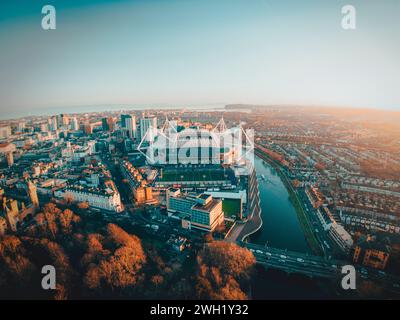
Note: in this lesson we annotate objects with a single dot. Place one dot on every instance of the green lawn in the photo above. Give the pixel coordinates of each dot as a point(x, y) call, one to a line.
point(193, 175)
point(231, 207)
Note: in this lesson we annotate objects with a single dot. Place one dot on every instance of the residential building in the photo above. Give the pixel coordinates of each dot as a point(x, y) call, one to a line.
point(341, 237)
point(315, 196)
point(106, 199)
point(372, 252)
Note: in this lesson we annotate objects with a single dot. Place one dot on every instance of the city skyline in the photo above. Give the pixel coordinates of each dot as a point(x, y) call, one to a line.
point(317, 195)
point(195, 53)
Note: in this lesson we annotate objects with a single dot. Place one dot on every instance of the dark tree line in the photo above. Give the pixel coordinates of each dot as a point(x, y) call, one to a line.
point(111, 263)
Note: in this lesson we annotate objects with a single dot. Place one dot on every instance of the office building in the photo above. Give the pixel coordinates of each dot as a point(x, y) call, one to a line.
point(74, 124)
point(128, 125)
point(200, 212)
point(5, 132)
point(107, 124)
point(148, 128)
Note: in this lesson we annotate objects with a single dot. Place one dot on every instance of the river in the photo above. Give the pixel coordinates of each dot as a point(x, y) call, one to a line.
point(281, 227)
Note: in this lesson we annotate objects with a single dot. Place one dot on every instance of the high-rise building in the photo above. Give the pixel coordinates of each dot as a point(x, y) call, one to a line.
point(44, 127)
point(10, 159)
point(128, 124)
point(104, 124)
point(53, 124)
point(74, 124)
point(5, 132)
point(107, 124)
point(123, 119)
point(88, 128)
point(148, 125)
point(21, 126)
point(64, 120)
point(33, 194)
point(7, 150)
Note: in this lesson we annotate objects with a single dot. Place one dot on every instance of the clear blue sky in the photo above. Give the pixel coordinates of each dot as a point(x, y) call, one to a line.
point(199, 52)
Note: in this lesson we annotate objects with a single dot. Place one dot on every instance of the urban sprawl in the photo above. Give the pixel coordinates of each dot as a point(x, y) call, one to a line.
point(180, 175)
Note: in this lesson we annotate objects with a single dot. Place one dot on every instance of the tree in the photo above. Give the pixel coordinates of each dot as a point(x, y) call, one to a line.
point(52, 220)
point(83, 205)
point(117, 266)
point(223, 269)
point(157, 280)
point(14, 260)
point(66, 219)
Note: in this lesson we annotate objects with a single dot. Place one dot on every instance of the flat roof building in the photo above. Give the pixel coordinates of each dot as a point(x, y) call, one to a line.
point(201, 212)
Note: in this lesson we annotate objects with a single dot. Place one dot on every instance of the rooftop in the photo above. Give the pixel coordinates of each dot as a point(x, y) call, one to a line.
point(207, 207)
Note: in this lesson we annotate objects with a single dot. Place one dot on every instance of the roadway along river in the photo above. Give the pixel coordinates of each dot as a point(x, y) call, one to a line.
point(281, 227)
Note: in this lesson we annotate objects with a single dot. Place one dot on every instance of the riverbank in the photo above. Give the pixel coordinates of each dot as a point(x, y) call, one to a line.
point(254, 220)
point(303, 220)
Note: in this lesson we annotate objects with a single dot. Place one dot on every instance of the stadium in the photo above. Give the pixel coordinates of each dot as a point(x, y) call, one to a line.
point(219, 146)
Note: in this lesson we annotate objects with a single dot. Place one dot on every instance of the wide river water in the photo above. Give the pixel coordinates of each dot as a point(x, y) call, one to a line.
point(281, 227)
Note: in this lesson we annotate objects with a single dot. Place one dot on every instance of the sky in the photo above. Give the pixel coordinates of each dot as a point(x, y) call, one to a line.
point(198, 52)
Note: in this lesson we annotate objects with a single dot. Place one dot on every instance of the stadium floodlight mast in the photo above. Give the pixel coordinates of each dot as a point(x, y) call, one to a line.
point(167, 126)
point(221, 126)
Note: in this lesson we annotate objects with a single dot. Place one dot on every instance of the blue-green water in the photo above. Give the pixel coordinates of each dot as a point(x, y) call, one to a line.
point(281, 227)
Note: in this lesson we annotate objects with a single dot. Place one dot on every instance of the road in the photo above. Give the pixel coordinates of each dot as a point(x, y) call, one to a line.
point(316, 266)
point(295, 262)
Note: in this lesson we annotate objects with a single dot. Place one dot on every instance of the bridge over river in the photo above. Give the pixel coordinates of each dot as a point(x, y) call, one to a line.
point(295, 262)
point(316, 266)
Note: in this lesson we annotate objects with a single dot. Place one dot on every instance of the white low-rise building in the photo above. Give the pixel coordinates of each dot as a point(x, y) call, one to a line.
point(109, 200)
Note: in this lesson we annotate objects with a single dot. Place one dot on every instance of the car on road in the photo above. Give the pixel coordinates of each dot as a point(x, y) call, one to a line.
point(259, 251)
point(364, 271)
point(268, 254)
point(282, 256)
point(252, 250)
point(282, 261)
point(300, 260)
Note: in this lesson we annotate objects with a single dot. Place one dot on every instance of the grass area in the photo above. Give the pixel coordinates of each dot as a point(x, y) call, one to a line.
point(305, 224)
point(231, 207)
point(193, 175)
